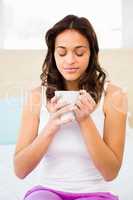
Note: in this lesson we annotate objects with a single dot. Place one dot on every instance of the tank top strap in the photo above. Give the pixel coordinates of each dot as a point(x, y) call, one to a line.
point(104, 93)
point(43, 97)
point(106, 85)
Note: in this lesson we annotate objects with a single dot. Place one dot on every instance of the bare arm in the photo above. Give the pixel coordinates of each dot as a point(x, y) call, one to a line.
point(107, 153)
point(31, 147)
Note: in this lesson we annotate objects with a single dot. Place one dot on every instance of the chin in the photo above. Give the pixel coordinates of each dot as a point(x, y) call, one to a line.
point(71, 78)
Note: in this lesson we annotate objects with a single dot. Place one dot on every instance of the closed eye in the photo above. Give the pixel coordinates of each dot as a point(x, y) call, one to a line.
point(79, 54)
point(62, 54)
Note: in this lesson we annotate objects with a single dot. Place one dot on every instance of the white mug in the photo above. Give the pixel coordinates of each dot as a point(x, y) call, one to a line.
point(69, 97)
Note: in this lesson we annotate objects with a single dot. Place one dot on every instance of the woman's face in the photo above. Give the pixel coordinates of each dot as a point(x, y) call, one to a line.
point(72, 54)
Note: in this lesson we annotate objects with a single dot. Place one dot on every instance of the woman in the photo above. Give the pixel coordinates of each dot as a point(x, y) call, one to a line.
point(82, 156)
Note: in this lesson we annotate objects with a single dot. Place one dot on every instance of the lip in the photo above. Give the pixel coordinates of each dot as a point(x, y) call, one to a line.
point(71, 69)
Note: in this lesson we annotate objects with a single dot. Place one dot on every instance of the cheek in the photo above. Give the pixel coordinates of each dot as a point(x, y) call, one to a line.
point(84, 63)
point(59, 66)
point(59, 62)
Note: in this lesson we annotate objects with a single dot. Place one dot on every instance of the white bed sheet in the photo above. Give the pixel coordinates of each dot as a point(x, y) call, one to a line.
point(12, 188)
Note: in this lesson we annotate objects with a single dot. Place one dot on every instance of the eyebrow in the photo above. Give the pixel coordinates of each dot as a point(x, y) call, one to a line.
point(76, 47)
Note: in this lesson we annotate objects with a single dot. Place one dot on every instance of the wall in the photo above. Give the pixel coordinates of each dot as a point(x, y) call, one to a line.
point(20, 69)
point(127, 23)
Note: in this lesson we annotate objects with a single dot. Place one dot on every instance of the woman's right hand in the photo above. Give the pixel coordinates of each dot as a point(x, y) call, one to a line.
point(57, 108)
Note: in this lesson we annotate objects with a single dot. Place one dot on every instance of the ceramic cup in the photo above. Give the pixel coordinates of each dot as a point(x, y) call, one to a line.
point(69, 97)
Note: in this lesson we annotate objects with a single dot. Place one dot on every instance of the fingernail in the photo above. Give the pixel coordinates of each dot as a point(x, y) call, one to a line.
point(71, 107)
point(74, 107)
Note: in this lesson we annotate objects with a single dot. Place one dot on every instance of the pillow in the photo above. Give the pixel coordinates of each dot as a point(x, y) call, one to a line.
point(10, 112)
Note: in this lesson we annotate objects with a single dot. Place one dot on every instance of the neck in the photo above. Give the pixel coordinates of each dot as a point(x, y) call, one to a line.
point(71, 85)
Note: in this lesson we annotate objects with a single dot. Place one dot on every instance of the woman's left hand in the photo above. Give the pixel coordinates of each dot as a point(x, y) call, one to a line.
point(84, 106)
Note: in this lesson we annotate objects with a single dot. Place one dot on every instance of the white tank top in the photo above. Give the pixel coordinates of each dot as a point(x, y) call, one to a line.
point(67, 165)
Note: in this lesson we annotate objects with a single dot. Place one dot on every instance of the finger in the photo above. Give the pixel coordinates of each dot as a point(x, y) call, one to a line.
point(83, 101)
point(61, 104)
point(64, 120)
point(81, 92)
point(79, 104)
point(76, 110)
point(55, 99)
point(84, 95)
point(63, 110)
point(90, 99)
point(84, 92)
point(84, 104)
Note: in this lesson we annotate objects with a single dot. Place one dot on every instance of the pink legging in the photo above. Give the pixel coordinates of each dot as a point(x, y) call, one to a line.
point(42, 193)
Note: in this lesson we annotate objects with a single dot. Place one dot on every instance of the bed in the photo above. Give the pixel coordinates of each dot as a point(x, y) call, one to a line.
point(12, 188)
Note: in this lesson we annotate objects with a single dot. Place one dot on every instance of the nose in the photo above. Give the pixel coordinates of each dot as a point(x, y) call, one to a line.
point(70, 58)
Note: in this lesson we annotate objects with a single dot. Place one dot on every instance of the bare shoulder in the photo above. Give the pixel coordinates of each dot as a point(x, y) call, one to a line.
point(33, 100)
point(30, 118)
point(111, 88)
point(116, 99)
point(37, 92)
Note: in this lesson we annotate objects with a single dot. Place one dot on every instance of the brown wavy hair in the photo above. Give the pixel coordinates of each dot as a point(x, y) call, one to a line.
point(93, 78)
